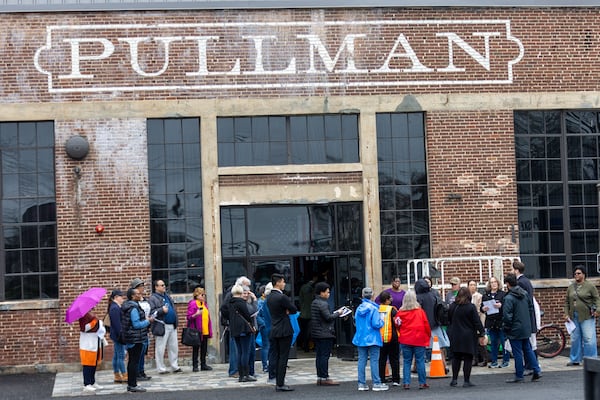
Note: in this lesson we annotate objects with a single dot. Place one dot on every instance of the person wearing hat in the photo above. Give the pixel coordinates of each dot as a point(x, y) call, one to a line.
point(116, 299)
point(451, 295)
point(138, 284)
point(368, 340)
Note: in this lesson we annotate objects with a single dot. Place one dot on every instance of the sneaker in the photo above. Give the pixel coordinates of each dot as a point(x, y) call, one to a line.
point(572, 364)
point(493, 365)
point(363, 387)
point(97, 387)
point(177, 371)
point(505, 364)
point(271, 381)
point(380, 387)
point(396, 384)
point(89, 388)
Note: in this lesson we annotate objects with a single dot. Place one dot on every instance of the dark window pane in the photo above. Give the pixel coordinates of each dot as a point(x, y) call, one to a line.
point(299, 152)
point(155, 131)
point(48, 260)
point(49, 286)
point(27, 134)
point(333, 127)
point(277, 129)
point(225, 130)
point(13, 287)
point(173, 133)
point(316, 128)
point(298, 130)
point(522, 147)
point(350, 127)
point(190, 130)
point(260, 129)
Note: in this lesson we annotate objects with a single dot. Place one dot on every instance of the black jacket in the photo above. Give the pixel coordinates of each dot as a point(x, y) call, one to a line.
point(516, 314)
point(129, 334)
point(493, 321)
point(280, 306)
point(321, 319)
point(426, 298)
point(239, 317)
point(464, 328)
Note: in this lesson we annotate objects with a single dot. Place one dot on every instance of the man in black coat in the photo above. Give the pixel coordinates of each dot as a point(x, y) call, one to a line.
point(280, 307)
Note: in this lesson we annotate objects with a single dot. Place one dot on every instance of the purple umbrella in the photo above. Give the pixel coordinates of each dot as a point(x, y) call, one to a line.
point(84, 303)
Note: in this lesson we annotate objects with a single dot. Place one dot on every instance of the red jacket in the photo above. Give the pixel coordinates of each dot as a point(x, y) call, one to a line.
point(414, 330)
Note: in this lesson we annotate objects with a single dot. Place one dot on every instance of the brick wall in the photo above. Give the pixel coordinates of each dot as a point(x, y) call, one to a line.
point(470, 152)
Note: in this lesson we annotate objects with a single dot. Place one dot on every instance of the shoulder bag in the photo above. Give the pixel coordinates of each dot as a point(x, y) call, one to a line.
point(251, 326)
point(191, 336)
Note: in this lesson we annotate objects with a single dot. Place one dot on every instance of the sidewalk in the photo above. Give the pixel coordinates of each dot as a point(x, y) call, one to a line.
point(300, 372)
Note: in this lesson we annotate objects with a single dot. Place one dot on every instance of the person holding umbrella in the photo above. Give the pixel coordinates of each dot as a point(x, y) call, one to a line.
point(91, 336)
point(91, 346)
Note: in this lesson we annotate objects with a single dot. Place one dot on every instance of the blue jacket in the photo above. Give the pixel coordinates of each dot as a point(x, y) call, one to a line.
point(368, 322)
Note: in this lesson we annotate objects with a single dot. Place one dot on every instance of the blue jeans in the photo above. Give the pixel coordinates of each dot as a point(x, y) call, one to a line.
point(243, 348)
point(251, 353)
point(118, 360)
point(583, 339)
point(371, 352)
point(233, 356)
point(264, 348)
point(418, 352)
point(141, 369)
point(496, 338)
point(522, 348)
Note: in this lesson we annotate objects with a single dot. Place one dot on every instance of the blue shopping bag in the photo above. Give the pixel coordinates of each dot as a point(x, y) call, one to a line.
point(295, 326)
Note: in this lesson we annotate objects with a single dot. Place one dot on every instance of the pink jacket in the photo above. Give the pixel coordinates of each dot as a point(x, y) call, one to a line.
point(196, 322)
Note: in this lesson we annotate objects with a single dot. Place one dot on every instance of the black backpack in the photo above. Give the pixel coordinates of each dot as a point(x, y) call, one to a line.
point(440, 311)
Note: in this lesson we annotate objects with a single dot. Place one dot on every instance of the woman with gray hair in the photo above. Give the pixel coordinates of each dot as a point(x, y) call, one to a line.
point(240, 327)
point(414, 338)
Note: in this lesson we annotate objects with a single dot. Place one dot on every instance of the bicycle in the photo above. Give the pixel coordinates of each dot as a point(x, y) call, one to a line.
point(551, 340)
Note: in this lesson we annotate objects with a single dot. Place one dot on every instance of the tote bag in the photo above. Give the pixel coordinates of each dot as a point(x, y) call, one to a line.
point(190, 336)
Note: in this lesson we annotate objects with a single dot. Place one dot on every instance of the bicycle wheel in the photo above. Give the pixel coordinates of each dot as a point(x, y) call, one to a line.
point(550, 341)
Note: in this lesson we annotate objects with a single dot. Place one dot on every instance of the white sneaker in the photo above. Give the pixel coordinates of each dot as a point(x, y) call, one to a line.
point(97, 387)
point(379, 387)
point(396, 384)
point(363, 387)
point(89, 388)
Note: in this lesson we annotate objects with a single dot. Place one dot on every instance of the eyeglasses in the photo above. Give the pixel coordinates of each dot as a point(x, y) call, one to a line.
point(162, 284)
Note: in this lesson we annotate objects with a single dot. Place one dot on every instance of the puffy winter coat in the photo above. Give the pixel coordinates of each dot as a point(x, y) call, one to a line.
point(133, 330)
point(321, 319)
point(516, 314)
point(368, 321)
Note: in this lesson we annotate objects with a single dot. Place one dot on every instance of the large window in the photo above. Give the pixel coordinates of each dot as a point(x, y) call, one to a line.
point(174, 177)
point(249, 233)
point(282, 140)
point(557, 156)
point(28, 263)
point(403, 197)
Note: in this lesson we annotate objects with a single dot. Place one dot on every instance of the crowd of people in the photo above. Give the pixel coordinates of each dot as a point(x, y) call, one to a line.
point(395, 324)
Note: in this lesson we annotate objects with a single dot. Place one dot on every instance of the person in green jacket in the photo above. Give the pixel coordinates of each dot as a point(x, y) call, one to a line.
point(581, 305)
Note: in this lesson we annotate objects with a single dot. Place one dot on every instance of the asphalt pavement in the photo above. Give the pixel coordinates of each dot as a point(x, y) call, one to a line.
point(558, 382)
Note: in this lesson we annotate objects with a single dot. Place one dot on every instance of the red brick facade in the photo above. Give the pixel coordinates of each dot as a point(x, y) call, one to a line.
point(469, 125)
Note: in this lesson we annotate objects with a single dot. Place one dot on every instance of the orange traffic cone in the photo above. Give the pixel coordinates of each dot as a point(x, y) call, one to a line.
point(436, 366)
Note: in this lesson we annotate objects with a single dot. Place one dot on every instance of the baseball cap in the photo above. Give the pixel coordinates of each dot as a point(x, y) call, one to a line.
point(455, 281)
point(116, 292)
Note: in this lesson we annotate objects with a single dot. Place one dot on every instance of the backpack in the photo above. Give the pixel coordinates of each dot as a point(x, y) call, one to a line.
point(440, 311)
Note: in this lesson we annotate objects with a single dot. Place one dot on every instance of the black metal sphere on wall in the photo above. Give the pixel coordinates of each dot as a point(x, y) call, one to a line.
point(77, 147)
